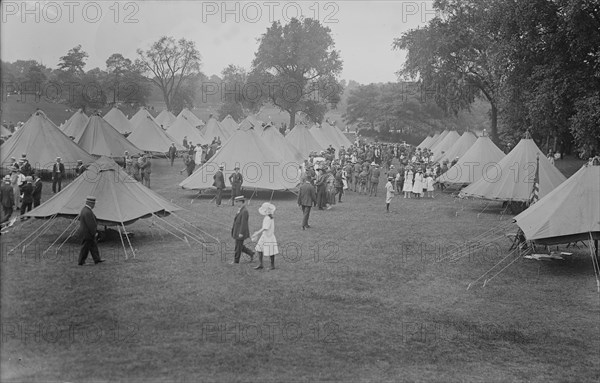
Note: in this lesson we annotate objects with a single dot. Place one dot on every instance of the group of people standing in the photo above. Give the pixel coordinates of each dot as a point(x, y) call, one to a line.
point(139, 168)
point(21, 190)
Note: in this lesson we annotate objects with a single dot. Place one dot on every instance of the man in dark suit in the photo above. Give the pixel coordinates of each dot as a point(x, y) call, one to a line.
point(172, 153)
point(236, 180)
point(58, 172)
point(37, 191)
point(81, 168)
point(240, 231)
point(306, 198)
point(219, 184)
point(27, 196)
point(87, 231)
point(7, 197)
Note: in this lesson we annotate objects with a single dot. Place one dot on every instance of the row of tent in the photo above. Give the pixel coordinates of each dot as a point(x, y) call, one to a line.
point(82, 137)
point(267, 159)
point(489, 173)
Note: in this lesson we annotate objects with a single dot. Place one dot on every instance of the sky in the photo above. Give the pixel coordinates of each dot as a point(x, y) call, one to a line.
point(224, 32)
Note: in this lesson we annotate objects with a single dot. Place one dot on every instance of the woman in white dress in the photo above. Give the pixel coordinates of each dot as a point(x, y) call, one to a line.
point(418, 185)
point(408, 183)
point(267, 244)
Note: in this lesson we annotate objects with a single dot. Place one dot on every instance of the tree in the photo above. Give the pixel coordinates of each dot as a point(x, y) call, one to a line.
point(457, 56)
point(296, 69)
point(170, 63)
point(233, 86)
point(74, 61)
point(362, 105)
point(117, 66)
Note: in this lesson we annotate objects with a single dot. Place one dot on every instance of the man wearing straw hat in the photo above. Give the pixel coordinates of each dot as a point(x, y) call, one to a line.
point(87, 231)
point(240, 230)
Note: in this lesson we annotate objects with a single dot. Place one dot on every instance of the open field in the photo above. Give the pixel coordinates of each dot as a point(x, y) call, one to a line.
point(361, 296)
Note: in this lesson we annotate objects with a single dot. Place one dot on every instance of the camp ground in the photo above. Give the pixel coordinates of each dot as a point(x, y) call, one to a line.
point(384, 191)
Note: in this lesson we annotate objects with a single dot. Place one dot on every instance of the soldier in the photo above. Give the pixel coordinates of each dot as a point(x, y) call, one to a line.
point(58, 172)
point(236, 179)
point(219, 183)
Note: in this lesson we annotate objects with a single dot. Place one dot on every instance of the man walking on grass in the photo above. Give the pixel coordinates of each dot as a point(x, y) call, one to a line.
point(240, 231)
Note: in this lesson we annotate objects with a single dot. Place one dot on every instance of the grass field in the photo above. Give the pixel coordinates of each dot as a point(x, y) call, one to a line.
point(361, 296)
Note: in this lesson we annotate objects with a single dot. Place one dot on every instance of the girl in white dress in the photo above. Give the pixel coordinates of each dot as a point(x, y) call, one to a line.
point(267, 244)
point(429, 181)
point(408, 183)
point(418, 185)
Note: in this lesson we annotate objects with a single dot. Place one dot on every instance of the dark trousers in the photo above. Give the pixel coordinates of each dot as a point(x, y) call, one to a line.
point(306, 212)
point(36, 202)
point(25, 206)
point(172, 160)
point(8, 210)
point(89, 246)
point(219, 197)
point(236, 190)
point(241, 248)
point(57, 181)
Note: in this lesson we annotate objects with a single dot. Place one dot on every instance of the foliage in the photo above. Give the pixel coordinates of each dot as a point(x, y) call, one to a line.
point(296, 69)
point(171, 64)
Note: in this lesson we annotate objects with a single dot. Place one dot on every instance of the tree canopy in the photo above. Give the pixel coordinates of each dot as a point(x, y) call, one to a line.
point(296, 69)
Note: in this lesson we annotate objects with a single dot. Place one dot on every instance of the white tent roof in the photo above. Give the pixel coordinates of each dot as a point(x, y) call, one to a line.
point(569, 213)
point(118, 120)
point(303, 140)
point(459, 148)
point(149, 137)
point(513, 178)
point(261, 167)
point(481, 159)
point(75, 124)
point(165, 118)
point(181, 128)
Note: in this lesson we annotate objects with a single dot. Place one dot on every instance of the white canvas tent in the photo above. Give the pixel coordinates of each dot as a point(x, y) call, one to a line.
point(513, 177)
point(569, 213)
point(261, 167)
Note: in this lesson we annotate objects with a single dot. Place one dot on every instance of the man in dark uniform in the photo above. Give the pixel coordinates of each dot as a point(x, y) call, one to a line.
point(58, 172)
point(306, 198)
point(240, 230)
point(81, 168)
point(87, 231)
point(219, 184)
point(37, 191)
point(172, 153)
point(7, 197)
point(375, 173)
point(27, 196)
point(236, 179)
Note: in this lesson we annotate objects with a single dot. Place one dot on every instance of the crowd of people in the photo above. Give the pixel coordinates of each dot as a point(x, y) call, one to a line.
point(21, 190)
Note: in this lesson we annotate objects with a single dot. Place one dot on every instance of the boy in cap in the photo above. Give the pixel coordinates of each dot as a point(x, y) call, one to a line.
point(390, 192)
point(240, 230)
point(88, 232)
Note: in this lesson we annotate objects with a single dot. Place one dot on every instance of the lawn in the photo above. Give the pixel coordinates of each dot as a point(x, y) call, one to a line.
point(361, 296)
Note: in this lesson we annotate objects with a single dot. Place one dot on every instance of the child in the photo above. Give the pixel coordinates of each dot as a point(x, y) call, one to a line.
point(389, 193)
point(408, 183)
point(418, 185)
point(429, 182)
point(267, 244)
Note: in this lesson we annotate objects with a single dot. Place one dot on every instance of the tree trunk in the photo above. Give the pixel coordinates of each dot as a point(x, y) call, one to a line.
point(494, 132)
point(547, 146)
point(167, 100)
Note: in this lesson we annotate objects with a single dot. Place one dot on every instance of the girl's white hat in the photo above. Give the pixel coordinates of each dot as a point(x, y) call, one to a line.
point(267, 208)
